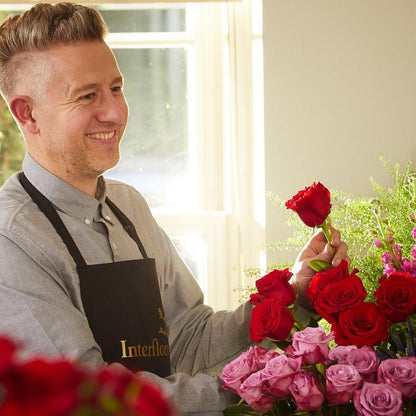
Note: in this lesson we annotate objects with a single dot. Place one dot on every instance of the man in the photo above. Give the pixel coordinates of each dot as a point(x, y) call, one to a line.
point(85, 271)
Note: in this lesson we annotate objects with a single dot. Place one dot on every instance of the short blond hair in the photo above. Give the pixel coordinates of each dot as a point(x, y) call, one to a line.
point(38, 29)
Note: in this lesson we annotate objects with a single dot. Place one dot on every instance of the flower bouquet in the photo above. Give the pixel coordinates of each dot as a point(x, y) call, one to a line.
point(360, 361)
point(40, 387)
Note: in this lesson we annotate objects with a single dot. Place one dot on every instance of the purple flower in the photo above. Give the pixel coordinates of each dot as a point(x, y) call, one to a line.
point(278, 375)
point(365, 360)
point(311, 344)
point(306, 392)
point(251, 390)
point(414, 251)
point(378, 400)
point(261, 356)
point(409, 266)
point(414, 233)
point(341, 382)
point(378, 243)
point(400, 374)
point(234, 373)
point(386, 258)
point(340, 352)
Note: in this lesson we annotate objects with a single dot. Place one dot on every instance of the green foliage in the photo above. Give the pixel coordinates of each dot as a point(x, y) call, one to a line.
point(360, 219)
point(12, 147)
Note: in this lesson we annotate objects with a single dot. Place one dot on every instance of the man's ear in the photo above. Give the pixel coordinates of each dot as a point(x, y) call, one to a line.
point(22, 108)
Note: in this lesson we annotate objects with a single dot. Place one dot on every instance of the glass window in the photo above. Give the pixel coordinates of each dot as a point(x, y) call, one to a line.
point(154, 151)
point(154, 20)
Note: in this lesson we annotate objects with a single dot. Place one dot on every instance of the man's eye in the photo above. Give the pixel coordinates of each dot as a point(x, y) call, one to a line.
point(117, 89)
point(88, 96)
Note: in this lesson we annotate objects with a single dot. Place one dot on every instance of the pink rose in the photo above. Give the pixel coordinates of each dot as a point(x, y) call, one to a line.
point(235, 372)
point(341, 382)
point(340, 352)
point(251, 390)
point(261, 356)
point(311, 344)
point(365, 360)
point(278, 375)
point(378, 400)
point(306, 392)
point(400, 374)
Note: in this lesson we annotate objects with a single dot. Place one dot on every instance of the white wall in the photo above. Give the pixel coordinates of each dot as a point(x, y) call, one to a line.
point(340, 91)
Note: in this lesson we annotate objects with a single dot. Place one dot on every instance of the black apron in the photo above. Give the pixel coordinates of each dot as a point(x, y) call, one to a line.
point(121, 299)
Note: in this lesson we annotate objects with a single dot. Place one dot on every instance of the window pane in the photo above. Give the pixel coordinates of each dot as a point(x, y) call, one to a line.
point(155, 151)
point(139, 20)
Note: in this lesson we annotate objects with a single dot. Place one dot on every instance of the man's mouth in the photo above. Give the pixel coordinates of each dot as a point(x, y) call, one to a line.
point(101, 136)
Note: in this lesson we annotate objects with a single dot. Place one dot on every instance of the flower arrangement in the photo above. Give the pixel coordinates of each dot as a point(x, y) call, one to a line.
point(364, 365)
point(39, 387)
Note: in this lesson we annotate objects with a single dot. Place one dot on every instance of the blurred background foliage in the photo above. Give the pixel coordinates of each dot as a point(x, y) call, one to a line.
point(12, 146)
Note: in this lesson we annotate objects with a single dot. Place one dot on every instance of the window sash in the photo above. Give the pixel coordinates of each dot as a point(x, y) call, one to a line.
point(124, 1)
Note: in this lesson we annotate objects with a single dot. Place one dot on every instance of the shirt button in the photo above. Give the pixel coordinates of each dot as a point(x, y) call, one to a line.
point(87, 221)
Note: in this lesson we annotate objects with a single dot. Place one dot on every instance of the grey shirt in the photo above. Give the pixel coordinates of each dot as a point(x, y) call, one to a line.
point(40, 303)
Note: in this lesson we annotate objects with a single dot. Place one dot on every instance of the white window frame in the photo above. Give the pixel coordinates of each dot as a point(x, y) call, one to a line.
point(230, 154)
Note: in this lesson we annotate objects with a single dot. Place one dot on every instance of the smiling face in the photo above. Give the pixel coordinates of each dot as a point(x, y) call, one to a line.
point(81, 116)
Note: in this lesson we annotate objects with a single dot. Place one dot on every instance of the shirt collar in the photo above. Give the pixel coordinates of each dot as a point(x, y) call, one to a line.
point(65, 197)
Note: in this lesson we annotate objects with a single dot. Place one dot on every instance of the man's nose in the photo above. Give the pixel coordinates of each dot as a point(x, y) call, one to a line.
point(112, 109)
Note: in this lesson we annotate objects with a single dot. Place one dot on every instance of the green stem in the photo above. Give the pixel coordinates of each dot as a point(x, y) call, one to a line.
point(327, 234)
point(388, 245)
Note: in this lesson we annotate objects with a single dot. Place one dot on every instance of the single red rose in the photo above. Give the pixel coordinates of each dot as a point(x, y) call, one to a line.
point(313, 204)
point(270, 320)
point(365, 324)
point(340, 295)
point(275, 285)
point(150, 402)
point(396, 295)
point(326, 277)
point(40, 387)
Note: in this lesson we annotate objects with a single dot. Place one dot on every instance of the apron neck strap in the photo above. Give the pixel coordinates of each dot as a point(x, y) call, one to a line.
point(48, 209)
point(127, 225)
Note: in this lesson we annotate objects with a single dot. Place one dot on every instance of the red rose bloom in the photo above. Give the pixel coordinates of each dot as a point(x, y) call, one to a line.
point(312, 204)
point(396, 295)
point(41, 387)
point(270, 320)
point(365, 324)
point(275, 285)
point(326, 277)
point(340, 295)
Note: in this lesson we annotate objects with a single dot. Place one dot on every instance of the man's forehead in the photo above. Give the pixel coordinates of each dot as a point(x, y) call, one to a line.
point(76, 66)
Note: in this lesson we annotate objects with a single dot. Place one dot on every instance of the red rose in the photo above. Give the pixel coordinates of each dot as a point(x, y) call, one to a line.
point(312, 204)
point(270, 320)
point(340, 295)
point(150, 402)
point(41, 387)
point(275, 285)
point(365, 324)
point(324, 278)
point(396, 295)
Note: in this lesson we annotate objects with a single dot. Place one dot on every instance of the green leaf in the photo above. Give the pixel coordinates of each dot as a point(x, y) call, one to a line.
point(240, 409)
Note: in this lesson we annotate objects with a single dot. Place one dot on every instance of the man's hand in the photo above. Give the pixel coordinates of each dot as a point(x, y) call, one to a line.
point(317, 248)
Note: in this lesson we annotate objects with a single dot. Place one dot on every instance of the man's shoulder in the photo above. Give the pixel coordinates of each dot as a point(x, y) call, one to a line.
point(13, 200)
